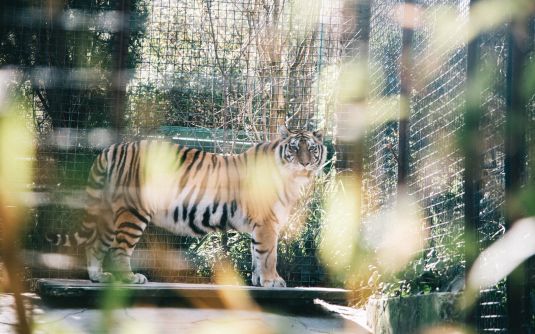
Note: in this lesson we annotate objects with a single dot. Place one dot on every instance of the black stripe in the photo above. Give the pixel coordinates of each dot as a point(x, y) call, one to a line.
point(260, 251)
point(138, 215)
point(214, 208)
point(123, 240)
point(118, 165)
point(217, 197)
point(133, 160)
point(131, 225)
point(131, 235)
point(184, 178)
point(257, 148)
point(99, 162)
point(122, 161)
point(175, 214)
point(255, 242)
point(224, 217)
point(184, 155)
point(191, 221)
point(233, 207)
point(177, 154)
point(184, 212)
point(206, 217)
point(193, 160)
point(104, 242)
point(119, 212)
point(200, 162)
point(112, 160)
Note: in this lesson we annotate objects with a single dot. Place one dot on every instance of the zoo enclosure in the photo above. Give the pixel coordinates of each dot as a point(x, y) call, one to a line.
point(221, 75)
point(457, 144)
point(216, 75)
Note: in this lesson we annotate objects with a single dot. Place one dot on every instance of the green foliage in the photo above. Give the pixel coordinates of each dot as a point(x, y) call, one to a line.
point(215, 248)
point(64, 101)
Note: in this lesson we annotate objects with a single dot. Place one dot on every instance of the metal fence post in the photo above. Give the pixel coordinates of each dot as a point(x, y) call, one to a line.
point(363, 19)
point(518, 315)
point(119, 68)
point(471, 146)
point(349, 153)
point(406, 67)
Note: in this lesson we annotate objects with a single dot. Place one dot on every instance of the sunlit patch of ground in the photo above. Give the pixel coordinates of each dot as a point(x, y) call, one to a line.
point(146, 319)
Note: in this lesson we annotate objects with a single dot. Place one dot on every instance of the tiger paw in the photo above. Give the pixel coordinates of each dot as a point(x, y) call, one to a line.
point(102, 277)
point(255, 279)
point(276, 282)
point(133, 278)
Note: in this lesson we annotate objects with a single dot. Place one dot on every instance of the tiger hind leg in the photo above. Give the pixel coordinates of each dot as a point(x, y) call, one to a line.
point(95, 254)
point(129, 227)
point(99, 218)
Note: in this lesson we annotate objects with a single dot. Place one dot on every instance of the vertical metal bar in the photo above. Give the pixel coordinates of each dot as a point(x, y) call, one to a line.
point(363, 19)
point(472, 155)
point(119, 74)
point(406, 66)
point(518, 315)
point(349, 153)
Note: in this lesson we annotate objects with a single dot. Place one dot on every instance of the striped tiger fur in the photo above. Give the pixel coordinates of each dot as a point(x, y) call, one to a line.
point(191, 192)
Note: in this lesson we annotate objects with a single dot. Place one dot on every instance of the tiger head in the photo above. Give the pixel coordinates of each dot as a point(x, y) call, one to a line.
point(302, 150)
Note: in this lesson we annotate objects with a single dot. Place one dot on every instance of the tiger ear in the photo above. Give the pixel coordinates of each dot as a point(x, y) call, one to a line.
point(318, 134)
point(283, 132)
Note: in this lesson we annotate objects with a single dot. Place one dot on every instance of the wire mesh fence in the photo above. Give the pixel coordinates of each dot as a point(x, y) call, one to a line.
point(215, 75)
point(380, 169)
point(436, 166)
point(223, 75)
point(436, 121)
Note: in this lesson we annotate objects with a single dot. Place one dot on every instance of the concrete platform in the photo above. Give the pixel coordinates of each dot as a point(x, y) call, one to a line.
point(150, 319)
point(86, 293)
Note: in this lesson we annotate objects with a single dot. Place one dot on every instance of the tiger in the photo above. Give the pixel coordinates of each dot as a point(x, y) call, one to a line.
point(188, 191)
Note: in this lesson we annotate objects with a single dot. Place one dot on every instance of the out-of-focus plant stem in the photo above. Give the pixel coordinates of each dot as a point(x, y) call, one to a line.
point(16, 150)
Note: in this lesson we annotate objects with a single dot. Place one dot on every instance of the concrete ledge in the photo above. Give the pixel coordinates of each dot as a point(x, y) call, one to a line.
point(83, 292)
point(411, 314)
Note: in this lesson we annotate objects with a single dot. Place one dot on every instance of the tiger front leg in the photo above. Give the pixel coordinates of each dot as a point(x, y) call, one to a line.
point(264, 257)
point(129, 229)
